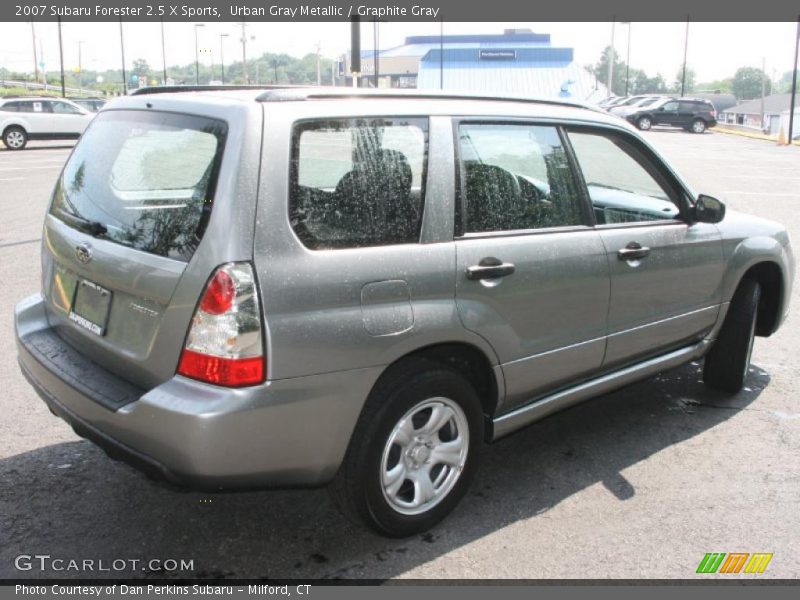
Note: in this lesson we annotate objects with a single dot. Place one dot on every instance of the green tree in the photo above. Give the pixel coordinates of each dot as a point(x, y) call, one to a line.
point(600, 71)
point(642, 84)
point(141, 69)
point(723, 86)
point(679, 81)
point(784, 84)
point(747, 83)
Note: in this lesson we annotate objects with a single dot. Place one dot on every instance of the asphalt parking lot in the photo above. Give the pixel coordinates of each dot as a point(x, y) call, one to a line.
point(637, 484)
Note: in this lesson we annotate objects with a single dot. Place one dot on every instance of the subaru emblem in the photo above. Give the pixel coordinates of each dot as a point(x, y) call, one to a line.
point(83, 252)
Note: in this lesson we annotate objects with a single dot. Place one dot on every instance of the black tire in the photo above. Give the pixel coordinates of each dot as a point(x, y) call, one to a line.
point(698, 126)
point(644, 123)
point(728, 361)
point(358, 489)
point(15, 138)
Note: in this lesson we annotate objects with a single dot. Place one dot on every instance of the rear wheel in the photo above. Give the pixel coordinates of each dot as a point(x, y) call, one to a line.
point(644, 123)
point(698, 126)
point(15, 138)
point(414, 450)
point(728, 360)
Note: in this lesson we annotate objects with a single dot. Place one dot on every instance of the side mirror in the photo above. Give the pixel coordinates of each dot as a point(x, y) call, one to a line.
point(708, 209)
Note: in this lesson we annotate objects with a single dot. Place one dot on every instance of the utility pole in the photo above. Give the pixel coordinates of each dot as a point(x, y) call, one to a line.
point(197, 55)
point(628, 59)
point(355, 49)
point(441, 53)
point(763, 89)
point(61, 57)
point(319, 73)
point(80, 65)
point(685, 52)
point(794, 82)
point(163, 52)
point(35, 57)
point(611, 53)
point(244, 52)
point(122, 47)
point(222, 36)
point(375, 68)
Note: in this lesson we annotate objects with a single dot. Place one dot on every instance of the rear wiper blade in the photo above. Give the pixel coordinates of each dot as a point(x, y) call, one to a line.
point(94, 228)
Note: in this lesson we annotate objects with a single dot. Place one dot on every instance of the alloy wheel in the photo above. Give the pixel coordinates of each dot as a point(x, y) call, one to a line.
point(424, 456)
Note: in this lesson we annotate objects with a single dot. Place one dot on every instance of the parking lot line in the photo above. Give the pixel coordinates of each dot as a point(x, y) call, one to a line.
point(744, 193)
point(27, 168)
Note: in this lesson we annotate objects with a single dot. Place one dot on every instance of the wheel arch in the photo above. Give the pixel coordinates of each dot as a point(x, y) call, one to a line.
point(14, 125)
point(468, 360)
point(770, 262)
point(770, 278)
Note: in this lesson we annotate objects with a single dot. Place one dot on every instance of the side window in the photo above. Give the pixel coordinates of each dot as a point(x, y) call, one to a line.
point(624, 186)
point(670, 107)
point(690, 107)
point(12, 106)
point(358, 182)
point(516, 177)
point(62, 108)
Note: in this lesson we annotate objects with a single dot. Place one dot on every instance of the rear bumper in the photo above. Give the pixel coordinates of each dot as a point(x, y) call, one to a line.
point(282, 433)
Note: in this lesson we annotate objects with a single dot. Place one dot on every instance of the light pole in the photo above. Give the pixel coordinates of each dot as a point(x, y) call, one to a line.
point(627, 57)
point(610, 80)
point(197, 54)
point(80, 65)
point(685, 52)
point(222, 55)
point(61, 57)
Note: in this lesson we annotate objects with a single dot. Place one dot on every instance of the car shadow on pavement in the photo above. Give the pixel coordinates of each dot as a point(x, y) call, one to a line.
point(71, 501)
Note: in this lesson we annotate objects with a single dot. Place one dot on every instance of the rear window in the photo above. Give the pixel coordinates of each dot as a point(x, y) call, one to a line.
point(144, 180)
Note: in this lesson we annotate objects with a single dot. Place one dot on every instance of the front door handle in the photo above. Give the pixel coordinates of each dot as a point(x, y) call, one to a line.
point(633, 251)
point(489, 268)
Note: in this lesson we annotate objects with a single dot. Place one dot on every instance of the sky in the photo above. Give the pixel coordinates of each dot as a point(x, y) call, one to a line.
point(715, 50)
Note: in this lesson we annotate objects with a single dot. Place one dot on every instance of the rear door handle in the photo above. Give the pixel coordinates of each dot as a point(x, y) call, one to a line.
point(489, 268)
point(633, 251)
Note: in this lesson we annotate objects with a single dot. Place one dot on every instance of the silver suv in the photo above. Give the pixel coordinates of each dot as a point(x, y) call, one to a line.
point(303, 287)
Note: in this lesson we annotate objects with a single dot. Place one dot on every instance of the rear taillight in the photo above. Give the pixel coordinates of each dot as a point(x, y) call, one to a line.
point(225, 344)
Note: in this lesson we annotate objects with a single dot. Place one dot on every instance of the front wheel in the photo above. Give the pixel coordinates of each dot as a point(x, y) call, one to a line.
point(728, 360)
point(414, 450)
point(698, 126)
point(644, 123)
point(15, 138)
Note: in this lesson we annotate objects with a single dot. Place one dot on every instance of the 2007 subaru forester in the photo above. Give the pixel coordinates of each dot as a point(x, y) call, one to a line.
point(307, 286)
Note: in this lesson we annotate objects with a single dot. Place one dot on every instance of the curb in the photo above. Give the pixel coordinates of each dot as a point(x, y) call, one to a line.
point(747, 134)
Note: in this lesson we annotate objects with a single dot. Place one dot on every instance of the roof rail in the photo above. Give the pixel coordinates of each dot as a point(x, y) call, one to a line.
point(286, 94)
point(172, 89)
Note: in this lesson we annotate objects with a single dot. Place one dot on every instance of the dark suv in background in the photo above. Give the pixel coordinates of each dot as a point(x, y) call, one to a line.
point(691, 114)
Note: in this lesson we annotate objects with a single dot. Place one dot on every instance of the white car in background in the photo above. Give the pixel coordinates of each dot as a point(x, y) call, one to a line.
point(30, 118)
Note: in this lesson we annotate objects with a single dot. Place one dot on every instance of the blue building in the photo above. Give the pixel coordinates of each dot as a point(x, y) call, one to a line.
point(516, 62)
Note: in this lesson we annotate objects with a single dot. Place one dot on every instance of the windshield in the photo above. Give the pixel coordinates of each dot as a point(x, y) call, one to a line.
point(144, 180)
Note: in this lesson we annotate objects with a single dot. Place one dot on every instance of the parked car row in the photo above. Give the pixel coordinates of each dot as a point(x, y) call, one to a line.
point(44, 118)
point(646, 111)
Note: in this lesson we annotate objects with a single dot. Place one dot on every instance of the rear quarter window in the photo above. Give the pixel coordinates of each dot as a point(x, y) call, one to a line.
point(358, 182)
point(144, 180)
